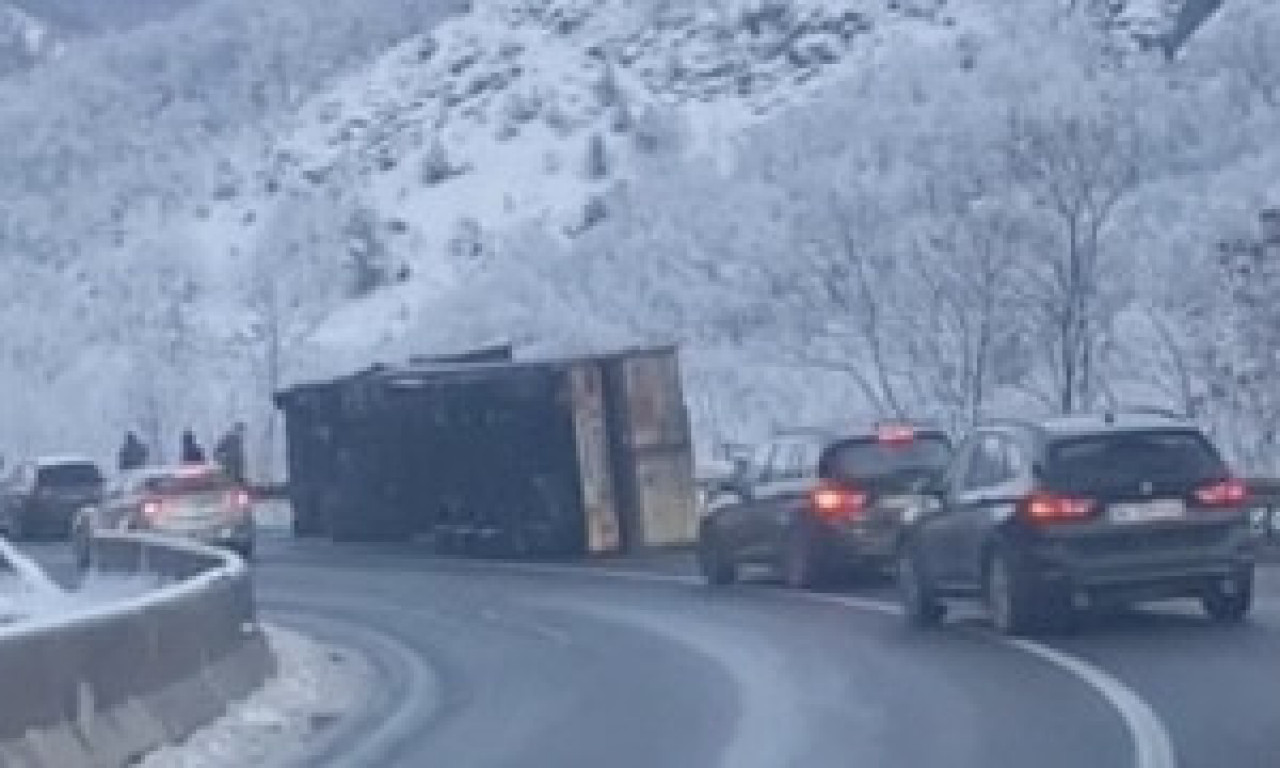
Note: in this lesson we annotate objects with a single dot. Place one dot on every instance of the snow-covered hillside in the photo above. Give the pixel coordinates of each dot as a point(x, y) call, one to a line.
point(267, 194)
point(532, 112)
point(25, 40)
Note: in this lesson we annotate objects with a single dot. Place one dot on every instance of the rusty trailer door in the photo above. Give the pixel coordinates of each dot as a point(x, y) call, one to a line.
point(600, 510)
point(656, 451)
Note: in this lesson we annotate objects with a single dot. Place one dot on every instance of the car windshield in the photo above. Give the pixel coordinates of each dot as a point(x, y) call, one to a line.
point(1133, 457)
point(870, 458)
point(69, 474)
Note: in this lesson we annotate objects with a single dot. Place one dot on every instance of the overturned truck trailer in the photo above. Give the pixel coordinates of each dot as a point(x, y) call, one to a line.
point(488, 455)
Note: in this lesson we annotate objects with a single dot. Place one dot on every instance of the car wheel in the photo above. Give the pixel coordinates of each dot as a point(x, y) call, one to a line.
point(1010, 602)
point(1229, 606)
point(717, 568)
point(919, 603)
point(80, 545)
point(801, 568)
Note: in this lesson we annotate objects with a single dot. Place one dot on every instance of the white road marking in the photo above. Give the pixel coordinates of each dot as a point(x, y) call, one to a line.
point(1153, 748)
point(1152, 745)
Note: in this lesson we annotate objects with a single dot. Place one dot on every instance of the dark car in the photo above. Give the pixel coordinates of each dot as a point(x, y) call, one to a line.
point(198, 502)
point(818, 503)
point(1039, 519)
point(42, 496)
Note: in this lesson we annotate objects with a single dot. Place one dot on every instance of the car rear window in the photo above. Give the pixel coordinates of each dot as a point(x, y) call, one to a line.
point(1132, 457)
point(869, 458)
point(69, 474)
point(181, 485)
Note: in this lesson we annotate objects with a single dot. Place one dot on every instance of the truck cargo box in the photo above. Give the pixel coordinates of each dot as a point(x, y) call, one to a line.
point(484, 454)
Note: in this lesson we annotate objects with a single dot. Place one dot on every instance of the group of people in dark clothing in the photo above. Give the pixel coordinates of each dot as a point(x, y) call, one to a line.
point(228, 453)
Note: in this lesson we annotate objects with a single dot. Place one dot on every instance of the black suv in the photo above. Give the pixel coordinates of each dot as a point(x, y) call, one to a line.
point(1041, 518)
point(814, 503)
point(42, 496)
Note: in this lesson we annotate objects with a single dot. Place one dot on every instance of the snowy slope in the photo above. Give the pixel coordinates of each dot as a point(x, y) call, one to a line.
point(25, 40)
point(532, 112)
point(410, 192)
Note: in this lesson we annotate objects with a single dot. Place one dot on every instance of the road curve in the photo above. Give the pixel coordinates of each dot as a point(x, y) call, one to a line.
point(555, 667)
point(489, 664)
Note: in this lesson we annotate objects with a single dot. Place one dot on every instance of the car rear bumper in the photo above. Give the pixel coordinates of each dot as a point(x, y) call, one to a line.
point(237, 537)
point(861, 545)
point(1143, 575)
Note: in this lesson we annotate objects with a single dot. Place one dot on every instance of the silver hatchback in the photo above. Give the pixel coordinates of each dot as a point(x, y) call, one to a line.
point(198, 502)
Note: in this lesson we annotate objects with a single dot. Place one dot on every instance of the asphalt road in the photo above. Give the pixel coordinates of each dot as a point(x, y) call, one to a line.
point(628, 664)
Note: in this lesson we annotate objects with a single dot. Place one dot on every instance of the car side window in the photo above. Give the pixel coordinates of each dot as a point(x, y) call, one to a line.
point(990, 465)
point(780, 462)
point(978, 470)
point(24, 478)
point(799, 460)
point(958, 469)
point(1015, 461)
point(807, 458)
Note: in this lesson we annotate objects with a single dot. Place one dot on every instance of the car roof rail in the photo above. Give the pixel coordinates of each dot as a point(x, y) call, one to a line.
point(1005, 421)
point(1151, 410)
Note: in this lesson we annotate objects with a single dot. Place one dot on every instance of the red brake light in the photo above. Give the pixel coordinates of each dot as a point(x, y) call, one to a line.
point(895, 433)
point(833, 504)
point(1050, 509)
point(152, 510)
point(1227, 493)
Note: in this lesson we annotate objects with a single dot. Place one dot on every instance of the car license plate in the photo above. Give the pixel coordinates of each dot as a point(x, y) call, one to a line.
point(1147, 511)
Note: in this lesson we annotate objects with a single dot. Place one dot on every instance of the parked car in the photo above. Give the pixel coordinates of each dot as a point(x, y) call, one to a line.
point(198, 502)
point(819, 503)
point(1041, 518)
point(40, 497)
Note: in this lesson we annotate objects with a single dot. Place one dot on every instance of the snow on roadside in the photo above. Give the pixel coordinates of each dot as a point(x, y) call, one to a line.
point(314, 687)
point(27, 591)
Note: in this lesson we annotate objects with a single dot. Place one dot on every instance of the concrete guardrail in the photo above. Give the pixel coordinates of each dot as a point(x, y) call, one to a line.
point(104, 686)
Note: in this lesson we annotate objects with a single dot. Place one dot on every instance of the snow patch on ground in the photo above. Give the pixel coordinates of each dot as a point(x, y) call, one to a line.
point(315, 686)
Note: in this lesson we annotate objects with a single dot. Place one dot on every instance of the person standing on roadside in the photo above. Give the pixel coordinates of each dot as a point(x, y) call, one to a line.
point(191, 452)
point(230, 453)
point(133, 454)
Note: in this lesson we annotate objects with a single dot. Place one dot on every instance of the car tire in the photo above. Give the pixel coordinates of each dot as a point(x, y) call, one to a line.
point(1229, 607)
point(801, 567)
point(16, 531)
point(81, 547)
point(920, 603)
point(717, 569)
point(1011, 603)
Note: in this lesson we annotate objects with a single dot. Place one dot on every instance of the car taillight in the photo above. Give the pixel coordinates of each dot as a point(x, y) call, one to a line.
point(152, 511)
point(895, 433)
point(237, 504)
point(835, 504)
point(1050, 509)
point(1228, 493)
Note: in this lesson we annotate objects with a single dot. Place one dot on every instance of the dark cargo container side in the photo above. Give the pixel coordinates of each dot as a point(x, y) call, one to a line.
point(539, 458)
point(488, 463)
